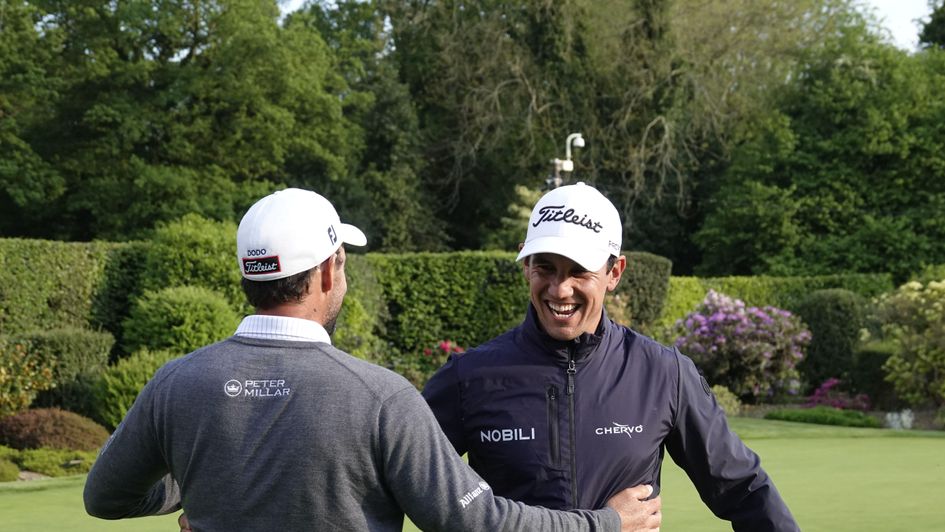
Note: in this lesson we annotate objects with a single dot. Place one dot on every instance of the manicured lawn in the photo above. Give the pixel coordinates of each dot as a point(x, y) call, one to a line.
point(834, 479)
point(56, 505)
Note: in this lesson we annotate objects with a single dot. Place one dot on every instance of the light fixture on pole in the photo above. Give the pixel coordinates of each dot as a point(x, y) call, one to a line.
point(566, 164)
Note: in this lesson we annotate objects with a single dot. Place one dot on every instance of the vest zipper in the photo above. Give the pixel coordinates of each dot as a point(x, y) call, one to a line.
point(574, 487)
point(553, 425)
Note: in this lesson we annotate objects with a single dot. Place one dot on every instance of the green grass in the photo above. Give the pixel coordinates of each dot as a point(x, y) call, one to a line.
point(56, 504)
point(833, 478)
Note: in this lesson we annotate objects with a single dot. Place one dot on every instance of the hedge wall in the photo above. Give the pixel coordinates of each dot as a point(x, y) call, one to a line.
point(685, 293)
point(467, 297)
point(48, 285)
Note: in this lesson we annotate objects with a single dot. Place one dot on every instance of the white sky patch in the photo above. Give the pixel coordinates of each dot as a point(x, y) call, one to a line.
point(900, 18)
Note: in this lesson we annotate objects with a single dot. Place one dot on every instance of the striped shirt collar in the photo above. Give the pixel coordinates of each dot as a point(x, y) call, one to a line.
point(282, 328)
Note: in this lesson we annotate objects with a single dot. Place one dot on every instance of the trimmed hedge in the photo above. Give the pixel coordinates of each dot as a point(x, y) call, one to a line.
point(361, 325)
point(644, 284)
point(122, 286)
point(51, 428)
point(868, 376)
point(467, 296)
point(46, 284)
point(834, 317)
point(685, 293)
point(825, 415)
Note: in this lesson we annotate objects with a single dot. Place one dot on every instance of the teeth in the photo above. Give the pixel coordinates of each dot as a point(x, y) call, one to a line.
point(562, 309)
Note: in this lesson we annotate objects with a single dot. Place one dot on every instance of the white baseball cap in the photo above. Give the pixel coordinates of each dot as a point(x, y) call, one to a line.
point(288, 232)
point(575, 221)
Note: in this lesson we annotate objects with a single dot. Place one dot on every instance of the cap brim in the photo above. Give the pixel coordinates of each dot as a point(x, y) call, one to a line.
point(352, 235)
point(590, 258)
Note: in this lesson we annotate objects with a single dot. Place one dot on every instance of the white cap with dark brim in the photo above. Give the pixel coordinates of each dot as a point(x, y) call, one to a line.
point(288, 232)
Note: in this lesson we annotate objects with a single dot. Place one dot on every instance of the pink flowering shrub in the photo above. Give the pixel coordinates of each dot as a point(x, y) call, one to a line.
point(752, 351)
point(830, 394)
point(420, 367)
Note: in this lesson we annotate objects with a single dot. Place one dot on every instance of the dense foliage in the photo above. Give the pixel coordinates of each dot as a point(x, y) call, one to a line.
point(121, 383)
point(180, 319)
point(732, 139)
point(22, 376)
point(752, 351)
point(913, 320)
point(825, 415)
point(194, 251)
point(834, 317)
point(51, 428)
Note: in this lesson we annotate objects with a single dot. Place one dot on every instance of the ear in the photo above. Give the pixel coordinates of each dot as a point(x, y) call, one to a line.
point(326, 273)
point(615, 273)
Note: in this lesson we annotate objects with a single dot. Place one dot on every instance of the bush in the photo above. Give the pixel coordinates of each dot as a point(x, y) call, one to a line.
point(46, 284)
point(181, 318)
point(643, 287)
point(913, 319)
point(195, 251)
point(361, 323)
point(751, 351)
point(121, 287)
point(52, 428)
point(830, 394)
point(56, 462)
point(420, 367)
point(8, 471)
point(467, 296)
point(22, 376)
point(73, 354)
point(868, 376)
point(825, 415)
point(727, 400)
point(120, 384)
point(834, 317)
point(935, 272)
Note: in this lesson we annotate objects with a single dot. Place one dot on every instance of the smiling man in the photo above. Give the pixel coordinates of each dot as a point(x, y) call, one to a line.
point(569, 407)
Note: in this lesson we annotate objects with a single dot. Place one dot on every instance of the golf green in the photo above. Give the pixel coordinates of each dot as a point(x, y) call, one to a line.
point(834, 479)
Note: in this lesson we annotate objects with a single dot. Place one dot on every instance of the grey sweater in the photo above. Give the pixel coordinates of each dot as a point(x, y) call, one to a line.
point(278, 435)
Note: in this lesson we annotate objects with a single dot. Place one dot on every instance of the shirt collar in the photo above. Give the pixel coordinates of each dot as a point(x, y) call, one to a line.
point(282, 328)
point(578, 349)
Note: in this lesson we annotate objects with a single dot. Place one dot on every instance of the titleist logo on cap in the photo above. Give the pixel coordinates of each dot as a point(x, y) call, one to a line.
point(261, 265)
point(557, 213)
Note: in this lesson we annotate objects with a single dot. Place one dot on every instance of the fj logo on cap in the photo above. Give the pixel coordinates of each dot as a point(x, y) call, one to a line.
point(331, 234)
point(261, 265)
point(557, 213)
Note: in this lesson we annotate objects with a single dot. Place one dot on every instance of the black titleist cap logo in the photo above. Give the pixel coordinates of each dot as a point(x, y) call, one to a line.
point(558, 213)
point(261, 265)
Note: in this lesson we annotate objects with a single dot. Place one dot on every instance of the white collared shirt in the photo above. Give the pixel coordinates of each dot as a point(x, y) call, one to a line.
point(282, 328)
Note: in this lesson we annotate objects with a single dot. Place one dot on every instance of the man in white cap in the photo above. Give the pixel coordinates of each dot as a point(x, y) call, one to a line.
point(568, 408)
point(275, 429)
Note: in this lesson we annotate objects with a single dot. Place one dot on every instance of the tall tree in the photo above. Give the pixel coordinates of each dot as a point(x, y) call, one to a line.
point(381, 188)
point(657, 88)
point(171, 106)
point(852, 158)
point(933, 31)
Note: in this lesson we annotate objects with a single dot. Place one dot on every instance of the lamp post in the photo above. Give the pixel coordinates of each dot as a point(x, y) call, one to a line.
point(566, 164)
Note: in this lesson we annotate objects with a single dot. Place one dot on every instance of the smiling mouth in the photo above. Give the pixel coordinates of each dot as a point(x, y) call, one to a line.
point(562, 311)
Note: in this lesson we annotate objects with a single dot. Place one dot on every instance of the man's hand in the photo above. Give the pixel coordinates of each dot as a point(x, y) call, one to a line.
point(636, 513)
point(185, 524)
